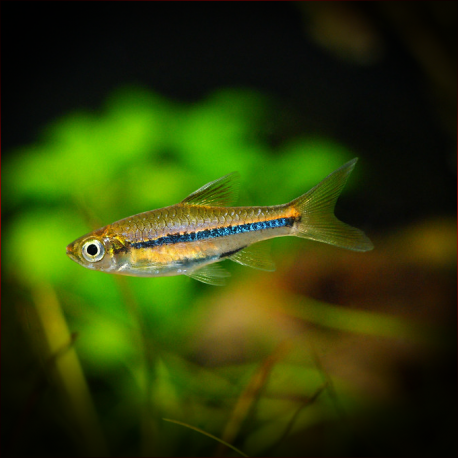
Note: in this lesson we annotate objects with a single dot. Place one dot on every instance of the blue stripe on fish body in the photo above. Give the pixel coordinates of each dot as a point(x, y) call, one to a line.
point(213, 233)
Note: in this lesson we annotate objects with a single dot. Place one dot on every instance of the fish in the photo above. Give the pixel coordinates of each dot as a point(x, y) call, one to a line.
point(192, 237)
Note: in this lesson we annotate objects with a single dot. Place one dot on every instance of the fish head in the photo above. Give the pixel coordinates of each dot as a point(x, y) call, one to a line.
point(94, 251)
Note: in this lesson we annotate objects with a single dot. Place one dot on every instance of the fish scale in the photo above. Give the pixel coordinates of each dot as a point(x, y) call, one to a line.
point(159, 223)
point(189, 238)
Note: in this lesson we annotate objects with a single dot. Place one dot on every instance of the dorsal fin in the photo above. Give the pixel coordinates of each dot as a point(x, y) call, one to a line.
point(218, 193)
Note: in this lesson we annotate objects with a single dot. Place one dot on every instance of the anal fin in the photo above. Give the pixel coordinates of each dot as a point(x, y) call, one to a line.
point(212, 274)
point(256, 256)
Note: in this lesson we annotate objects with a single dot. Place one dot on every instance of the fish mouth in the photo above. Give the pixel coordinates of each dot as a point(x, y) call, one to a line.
point(71, 254)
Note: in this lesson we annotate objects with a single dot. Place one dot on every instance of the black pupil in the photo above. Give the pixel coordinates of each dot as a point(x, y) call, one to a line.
point(92, 249)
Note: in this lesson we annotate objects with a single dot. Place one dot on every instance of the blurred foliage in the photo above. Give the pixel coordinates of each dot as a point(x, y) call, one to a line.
point(111, 357)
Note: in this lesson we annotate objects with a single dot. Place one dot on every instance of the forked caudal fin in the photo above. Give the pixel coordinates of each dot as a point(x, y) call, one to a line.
point(318, 221)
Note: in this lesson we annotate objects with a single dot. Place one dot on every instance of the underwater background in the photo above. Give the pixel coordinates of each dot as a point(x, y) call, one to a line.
point(111, 109)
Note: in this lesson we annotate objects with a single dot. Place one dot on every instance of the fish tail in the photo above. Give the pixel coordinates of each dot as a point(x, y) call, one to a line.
point(317, 220)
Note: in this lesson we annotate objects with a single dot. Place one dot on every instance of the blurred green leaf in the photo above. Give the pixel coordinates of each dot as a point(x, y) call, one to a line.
point(35, 241)
point(105, 345)
point(361, 321)
point(141, 152)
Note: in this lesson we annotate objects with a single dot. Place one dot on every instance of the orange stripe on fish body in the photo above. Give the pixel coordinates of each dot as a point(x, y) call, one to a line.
point(189, 238)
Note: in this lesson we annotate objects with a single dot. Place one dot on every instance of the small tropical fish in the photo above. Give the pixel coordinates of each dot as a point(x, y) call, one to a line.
point(190, 237)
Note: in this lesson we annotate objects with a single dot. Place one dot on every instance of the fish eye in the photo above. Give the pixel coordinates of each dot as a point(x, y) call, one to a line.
point(93, 251)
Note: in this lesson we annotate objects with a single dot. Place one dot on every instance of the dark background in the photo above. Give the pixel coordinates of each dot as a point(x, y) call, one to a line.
point(384, 93)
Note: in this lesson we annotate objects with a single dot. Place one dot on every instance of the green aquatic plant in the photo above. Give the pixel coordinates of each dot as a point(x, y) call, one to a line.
point(135, 360)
